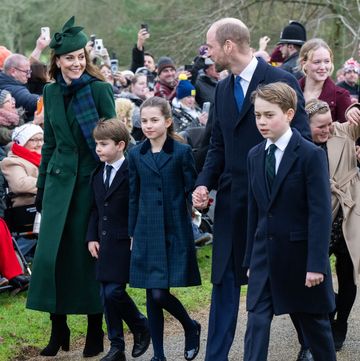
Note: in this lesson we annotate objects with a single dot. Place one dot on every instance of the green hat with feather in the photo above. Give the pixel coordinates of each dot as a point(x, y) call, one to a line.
point(70, 38)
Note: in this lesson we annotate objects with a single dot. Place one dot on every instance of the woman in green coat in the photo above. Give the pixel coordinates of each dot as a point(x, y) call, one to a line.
point(63, 279)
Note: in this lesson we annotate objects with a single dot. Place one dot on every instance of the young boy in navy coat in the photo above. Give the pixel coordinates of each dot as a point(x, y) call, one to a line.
point(289, 223)
point(109, 243)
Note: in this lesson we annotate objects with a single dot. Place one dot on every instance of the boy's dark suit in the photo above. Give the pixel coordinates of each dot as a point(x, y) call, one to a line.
point(108, 225)
point(288, 236)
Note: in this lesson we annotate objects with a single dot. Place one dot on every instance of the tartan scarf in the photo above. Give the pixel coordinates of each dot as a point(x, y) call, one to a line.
point(83, 105)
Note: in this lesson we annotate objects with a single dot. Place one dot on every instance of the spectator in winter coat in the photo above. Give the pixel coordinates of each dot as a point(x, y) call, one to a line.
point(14, 79)
point(206, 83)
point(166, 86)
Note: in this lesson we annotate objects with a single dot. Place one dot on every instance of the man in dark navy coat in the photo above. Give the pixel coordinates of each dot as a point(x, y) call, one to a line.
point(108, 240)
point(234, 134)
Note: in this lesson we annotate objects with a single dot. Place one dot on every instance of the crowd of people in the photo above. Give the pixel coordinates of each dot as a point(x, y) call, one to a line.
point(102, 155)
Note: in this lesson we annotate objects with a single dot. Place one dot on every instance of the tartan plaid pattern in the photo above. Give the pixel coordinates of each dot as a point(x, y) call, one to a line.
point(83, 105)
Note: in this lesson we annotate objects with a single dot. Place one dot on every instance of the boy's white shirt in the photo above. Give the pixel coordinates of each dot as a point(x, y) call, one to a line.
point(281, 145)
point(116, 166)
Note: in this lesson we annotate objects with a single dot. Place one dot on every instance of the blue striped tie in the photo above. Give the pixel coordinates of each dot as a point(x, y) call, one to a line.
point(270, 164)
point(238, 93)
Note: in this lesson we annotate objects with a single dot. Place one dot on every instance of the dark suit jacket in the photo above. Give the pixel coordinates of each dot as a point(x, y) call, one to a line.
point(233, 135)
point(108, 224)
point(289, 229)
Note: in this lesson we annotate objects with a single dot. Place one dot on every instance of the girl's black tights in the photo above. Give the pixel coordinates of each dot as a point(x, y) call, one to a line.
point(158, 300)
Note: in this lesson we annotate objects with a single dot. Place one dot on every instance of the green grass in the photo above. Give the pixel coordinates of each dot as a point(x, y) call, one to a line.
point(22, 329)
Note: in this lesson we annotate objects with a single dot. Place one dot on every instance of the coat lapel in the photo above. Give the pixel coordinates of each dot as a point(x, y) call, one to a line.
point(119, 178)
point(335, 151)
point(287, 161)
point(259, 160)
point(60, 116)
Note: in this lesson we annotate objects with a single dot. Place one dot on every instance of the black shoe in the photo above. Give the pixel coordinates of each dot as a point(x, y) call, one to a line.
point(192, 342)
point(114, 354)
point(60, 336)
point(141, 343)
point(94, 343)
point(158, 359)
point(339, 330)
point(305, 355)
point(20, 281)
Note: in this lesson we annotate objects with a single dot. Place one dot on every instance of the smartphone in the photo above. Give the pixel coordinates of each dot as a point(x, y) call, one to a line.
point(206, 107)
point(99, 46)
point(188, 67)
point(114, 64)
point(145, 26)
point(92, 39)
point(45, 32)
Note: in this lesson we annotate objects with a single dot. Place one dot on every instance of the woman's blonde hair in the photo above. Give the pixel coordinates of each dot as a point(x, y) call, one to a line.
point(124, 111)
point(307, 51)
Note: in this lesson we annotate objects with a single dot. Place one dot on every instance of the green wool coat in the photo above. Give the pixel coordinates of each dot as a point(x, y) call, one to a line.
point(63, 278)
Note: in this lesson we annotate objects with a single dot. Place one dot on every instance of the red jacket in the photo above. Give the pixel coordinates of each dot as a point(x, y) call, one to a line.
point(337, 98)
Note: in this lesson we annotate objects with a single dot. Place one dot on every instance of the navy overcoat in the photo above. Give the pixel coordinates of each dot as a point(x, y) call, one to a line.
point(163, 253)
point(108, 224)
point(289, 229)
point(233, 135)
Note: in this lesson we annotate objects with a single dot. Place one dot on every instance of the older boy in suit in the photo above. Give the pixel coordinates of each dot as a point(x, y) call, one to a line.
point(109, 243)
point(289, 223)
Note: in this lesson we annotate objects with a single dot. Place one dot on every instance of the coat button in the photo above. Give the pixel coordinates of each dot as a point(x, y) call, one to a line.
point(103, 233)
point(159, 203)
point(271, 238)
point(270, 215)
point(106, 204)
point(57, 171)
point(105, 218)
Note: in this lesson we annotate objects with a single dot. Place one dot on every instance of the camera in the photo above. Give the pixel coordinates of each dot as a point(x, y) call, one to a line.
point(188, 67)
point(98, 45)
point(114, 65)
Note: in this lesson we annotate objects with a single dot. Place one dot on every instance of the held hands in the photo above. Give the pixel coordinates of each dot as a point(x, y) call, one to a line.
point(313, 279)
point(94, 247)
point(200, 197)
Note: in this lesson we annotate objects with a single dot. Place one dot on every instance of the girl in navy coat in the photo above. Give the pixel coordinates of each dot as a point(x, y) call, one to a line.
point(162, 175)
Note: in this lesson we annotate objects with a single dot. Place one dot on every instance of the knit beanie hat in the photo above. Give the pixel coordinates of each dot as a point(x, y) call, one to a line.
point(351, 64)
point(3, 94)
point(23, 133)
point(164, 62)
point(184, 88)
point(4, 53)
point(71, 38)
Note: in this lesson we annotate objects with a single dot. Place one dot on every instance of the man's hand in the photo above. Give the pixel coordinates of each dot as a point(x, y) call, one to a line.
point(142, 36)
point(313, 279)
point(94, 247)
point(263, 42)
point(200, 197)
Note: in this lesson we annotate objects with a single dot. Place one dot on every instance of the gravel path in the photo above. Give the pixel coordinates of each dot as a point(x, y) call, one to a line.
point(283, 343)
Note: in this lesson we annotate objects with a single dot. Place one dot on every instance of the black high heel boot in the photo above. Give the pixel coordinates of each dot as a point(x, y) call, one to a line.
point(60, 336)
point(94, 343)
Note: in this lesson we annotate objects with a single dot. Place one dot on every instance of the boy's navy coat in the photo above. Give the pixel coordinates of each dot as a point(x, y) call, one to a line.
point(289, 230)
point(233, 135)
point(163, 253)
point(108, 224)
